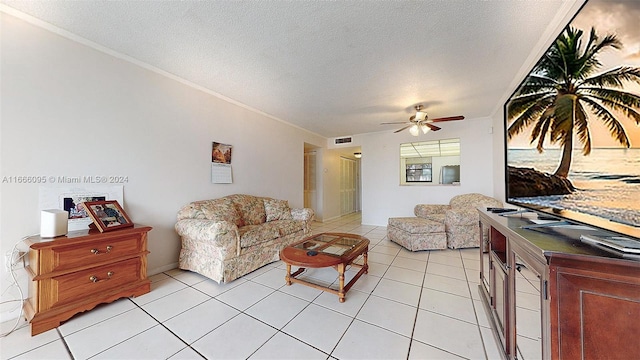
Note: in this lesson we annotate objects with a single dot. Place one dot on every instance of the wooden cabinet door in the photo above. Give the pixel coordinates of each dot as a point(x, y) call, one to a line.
point(500, 297)
point(595, 315)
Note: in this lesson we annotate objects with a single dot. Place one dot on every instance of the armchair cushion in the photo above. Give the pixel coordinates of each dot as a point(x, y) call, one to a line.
point(461, 217)
point(472, 201)
point(429, 210)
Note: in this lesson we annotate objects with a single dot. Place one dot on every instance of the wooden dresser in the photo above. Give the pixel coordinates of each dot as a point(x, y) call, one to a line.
point(74, 273)
point(550, 296)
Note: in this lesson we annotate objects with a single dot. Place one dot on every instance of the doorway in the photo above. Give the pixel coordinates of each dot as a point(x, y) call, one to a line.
point(349, 175)
point(332, 183)
point(310, 191)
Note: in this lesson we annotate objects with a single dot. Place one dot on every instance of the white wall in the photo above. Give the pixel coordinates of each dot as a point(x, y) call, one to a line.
point(331, 184)
point(499, 188)
point(382, 195)
point(70, 110)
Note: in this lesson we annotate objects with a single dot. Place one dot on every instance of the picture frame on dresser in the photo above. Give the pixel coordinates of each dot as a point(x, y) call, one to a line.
point(107, 215)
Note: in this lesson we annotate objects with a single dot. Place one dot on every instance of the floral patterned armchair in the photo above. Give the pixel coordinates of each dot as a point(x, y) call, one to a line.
point(460, 218)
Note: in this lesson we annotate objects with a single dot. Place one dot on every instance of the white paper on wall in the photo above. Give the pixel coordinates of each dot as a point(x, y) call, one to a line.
point(221, 173)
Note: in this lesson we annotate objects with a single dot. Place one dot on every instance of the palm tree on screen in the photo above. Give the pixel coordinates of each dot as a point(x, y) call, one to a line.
point(565, 91)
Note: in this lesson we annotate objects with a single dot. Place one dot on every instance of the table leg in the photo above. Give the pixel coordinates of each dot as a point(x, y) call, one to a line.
point(341, 277)
point(287, 277)
point(365, 256)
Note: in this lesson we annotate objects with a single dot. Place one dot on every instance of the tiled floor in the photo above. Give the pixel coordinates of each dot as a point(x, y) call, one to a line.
point(422, 305)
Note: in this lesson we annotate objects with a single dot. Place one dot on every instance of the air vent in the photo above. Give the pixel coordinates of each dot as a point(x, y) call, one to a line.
point(344, 140)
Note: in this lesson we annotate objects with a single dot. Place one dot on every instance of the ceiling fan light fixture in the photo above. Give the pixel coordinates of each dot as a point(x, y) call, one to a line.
point(421, 116)
point(420, 121)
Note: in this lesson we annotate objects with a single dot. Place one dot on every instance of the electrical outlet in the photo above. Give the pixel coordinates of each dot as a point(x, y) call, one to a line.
point(14, 260)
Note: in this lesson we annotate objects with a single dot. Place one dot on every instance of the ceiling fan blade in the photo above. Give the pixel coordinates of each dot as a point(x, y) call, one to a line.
point(447, 118)
point(433, 127)
point(395, 123)
point(412, 118)
point(406, 127)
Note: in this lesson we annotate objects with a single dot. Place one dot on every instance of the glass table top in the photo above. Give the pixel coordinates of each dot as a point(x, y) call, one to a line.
point(330, 244)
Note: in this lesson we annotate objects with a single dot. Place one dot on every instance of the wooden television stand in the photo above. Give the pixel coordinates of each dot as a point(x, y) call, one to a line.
point(550, 296)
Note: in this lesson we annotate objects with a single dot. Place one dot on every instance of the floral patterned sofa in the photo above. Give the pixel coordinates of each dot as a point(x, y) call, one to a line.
point(226, 238)
point(460, 218)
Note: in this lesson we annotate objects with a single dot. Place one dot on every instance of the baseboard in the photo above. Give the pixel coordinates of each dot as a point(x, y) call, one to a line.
point(11, 314)
point(330, 219)
point(162, 269)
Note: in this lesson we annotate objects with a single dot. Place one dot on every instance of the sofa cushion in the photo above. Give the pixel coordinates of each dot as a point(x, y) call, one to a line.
point(288, 227)
point(221, 210)
point(216, 209)
point(255, 234)
point(250, 208)
point(277, 209)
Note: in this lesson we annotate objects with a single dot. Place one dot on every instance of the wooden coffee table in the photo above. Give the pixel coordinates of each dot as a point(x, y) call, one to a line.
point(338, 250)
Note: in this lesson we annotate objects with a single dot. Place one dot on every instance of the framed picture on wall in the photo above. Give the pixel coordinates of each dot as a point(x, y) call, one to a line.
point(221, 153)
point(107, 215)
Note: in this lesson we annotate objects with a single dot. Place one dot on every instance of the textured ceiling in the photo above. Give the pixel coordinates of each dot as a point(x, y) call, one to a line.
point(334, 68)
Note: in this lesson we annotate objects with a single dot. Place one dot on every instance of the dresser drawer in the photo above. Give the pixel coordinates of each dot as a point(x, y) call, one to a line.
point(74, 273)
point(90, 252)
point(71, 287)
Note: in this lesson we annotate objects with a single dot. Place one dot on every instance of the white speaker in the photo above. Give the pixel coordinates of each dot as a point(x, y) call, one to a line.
point(53, 223)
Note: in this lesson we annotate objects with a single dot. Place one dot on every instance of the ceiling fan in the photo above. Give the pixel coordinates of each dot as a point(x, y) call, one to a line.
point(420, 121)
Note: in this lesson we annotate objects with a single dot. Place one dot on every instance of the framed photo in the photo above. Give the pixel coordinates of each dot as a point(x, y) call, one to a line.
point(107, 215)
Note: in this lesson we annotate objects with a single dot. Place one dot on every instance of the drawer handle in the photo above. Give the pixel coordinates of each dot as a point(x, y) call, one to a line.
point(96, 251)
point(95, 279)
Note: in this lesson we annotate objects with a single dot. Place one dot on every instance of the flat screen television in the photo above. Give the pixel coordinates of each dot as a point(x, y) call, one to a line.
point(572, 134)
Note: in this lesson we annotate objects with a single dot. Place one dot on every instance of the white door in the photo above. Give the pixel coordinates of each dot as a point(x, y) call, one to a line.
point(310, 180)
point(348, 186)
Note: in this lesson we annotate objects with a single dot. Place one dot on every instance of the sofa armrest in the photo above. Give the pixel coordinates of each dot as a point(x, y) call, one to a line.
point(222, 234)
point(305, 214)
point(461, 217)
point(424, 210)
